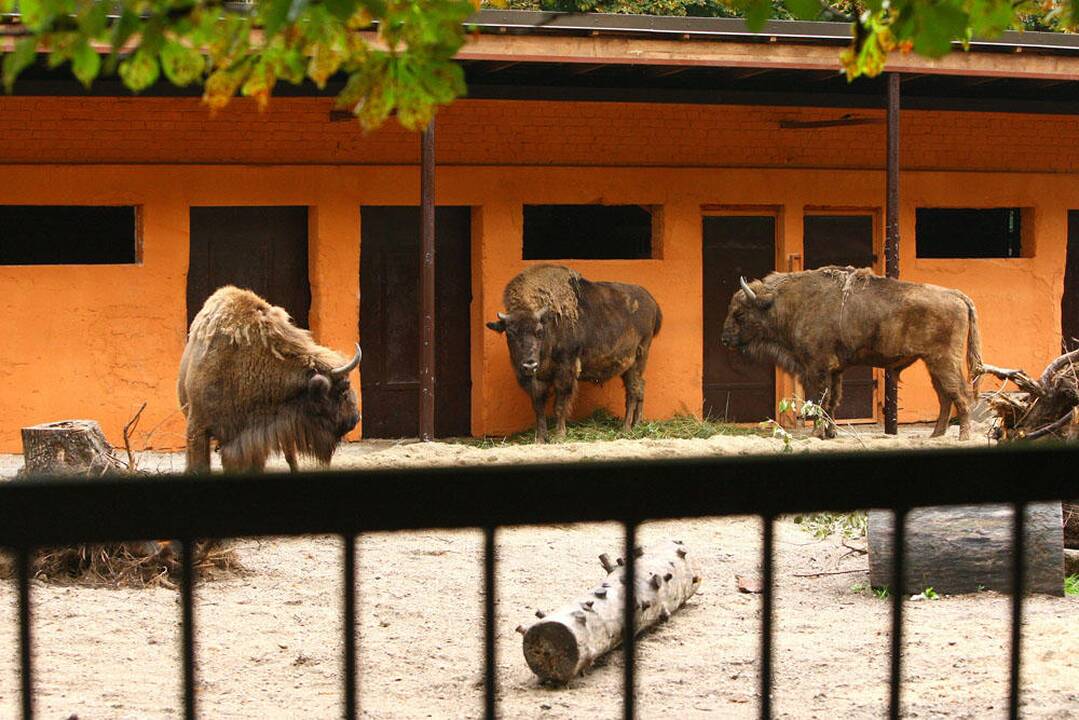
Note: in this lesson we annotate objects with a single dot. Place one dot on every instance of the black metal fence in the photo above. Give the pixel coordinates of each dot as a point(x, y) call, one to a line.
point(48, 512)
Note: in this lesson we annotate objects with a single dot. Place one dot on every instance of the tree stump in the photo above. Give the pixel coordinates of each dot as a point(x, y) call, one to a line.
point(565, 643)
point(967, 548)
point(68, 447)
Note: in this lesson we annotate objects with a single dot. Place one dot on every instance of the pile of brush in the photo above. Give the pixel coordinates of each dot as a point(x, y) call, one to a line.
point(132, 564)
point(1043, 408)
point(78, 448)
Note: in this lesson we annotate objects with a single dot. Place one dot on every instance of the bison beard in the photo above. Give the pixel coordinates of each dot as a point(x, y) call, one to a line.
point(560, 328)
point(257, 384)
point(815, 324)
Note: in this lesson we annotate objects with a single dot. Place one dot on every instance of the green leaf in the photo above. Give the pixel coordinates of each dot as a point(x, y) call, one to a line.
point(85, 63)
point(274, 16)
point(757, 13)
point(139, 71)
point(182, 65)
point(344, 9)
point(36, 14)
point(937, 26)
point(125, 27)
point(18, 60)
point(93, 22)
point(804, 9)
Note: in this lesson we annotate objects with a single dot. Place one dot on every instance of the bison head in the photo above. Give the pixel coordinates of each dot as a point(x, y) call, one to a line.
point(525, 335)
point(330, 401)
point(749, 321)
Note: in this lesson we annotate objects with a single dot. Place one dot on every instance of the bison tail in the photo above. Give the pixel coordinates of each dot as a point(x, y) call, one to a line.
point(974, 346)
point(659, 321)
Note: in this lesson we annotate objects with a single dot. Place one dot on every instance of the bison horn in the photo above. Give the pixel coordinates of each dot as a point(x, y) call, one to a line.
point(746, 289)
point(503, 316)
point(352, 364)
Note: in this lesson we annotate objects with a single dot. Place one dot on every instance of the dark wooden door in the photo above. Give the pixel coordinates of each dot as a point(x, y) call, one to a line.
point(390, 321)
point(844, 240)
point(262, 249)
point(1069, 303)
point(736, 389)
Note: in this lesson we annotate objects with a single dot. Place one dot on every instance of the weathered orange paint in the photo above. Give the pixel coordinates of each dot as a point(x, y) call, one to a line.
point(97, 341)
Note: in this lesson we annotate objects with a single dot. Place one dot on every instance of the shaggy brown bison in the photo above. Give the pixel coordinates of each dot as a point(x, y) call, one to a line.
point(560, 328)
point(817, 323)
point(258, 384)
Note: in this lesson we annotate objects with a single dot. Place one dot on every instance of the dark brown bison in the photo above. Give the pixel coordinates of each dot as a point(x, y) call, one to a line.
point(258, 384)
point(817, 323)
point(560, 328)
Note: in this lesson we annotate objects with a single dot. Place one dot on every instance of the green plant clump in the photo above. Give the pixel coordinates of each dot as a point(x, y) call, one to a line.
point(1071, 585)
point(821, 525)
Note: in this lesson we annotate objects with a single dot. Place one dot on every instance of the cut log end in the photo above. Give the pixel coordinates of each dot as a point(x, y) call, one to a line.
point(551, 651)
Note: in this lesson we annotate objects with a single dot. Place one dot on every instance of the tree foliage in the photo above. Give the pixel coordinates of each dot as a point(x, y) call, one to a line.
point(397, 55)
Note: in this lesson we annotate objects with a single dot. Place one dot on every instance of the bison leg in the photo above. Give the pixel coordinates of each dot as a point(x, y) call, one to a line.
point(951, 389)
point(198, 449)
point(290, 458)
point(237, 456)
point(818, 388)
point(634, 384)
point(539, 406)
point(565, 392)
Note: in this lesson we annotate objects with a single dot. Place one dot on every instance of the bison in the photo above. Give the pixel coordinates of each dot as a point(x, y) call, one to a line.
point(817, 323)
point(258, 384)
point(561, 327)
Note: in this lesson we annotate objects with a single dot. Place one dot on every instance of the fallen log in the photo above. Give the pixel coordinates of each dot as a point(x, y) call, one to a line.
point(967, 548)
point(566, 642)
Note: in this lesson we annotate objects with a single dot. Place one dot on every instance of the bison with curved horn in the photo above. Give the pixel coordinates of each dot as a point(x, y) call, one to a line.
point(257, 384)
point(560, 328)
point(817, 323)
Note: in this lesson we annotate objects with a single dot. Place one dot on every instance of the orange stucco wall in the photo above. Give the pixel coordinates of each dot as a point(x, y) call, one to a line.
point(98, 341)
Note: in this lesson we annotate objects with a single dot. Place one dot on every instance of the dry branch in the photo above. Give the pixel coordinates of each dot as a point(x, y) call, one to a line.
point(565, 643)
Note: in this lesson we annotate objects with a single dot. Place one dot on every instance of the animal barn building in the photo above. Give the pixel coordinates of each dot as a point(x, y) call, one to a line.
point(671, 152)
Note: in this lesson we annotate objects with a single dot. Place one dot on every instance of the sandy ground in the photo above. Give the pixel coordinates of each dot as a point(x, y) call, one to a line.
point(270, 640)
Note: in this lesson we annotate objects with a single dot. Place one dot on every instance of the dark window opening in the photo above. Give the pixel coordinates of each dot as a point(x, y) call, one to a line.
point(67, 235)
point(969, 233)
point(587, 232)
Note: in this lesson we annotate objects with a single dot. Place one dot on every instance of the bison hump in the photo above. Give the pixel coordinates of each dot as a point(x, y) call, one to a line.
point(551, 286)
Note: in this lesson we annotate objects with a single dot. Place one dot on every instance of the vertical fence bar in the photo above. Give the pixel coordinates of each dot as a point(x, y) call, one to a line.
point(427, 283)
point(891, 241)
point(629, 610)
point(898, 571)
point(1018, 583)
point(187, 630)
point(349, 579)
point(22, 558)
point(489, 589)
point(767, 583)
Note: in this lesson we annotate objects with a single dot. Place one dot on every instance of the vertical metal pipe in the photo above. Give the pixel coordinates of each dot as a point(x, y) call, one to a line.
point(1018, 583)
point(187, 625)
point(898, 572)
point(891, 242)
point(767, 583)
point(629, 612)
point(489, 597)
point(26, 676)
point(349, 611)
point(427, 283)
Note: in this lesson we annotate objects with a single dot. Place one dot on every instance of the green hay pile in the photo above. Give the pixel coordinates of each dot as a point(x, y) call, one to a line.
point(602, 426)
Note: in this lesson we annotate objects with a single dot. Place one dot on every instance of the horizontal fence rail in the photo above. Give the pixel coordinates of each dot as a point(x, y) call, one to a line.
point(36, 512)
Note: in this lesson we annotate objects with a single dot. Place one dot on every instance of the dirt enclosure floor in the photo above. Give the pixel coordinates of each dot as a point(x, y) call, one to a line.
point(269, 641)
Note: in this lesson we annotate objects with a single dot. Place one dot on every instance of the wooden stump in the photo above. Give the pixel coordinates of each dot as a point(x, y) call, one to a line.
point(565, 643)
point(68, 447)
point(967, 548)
